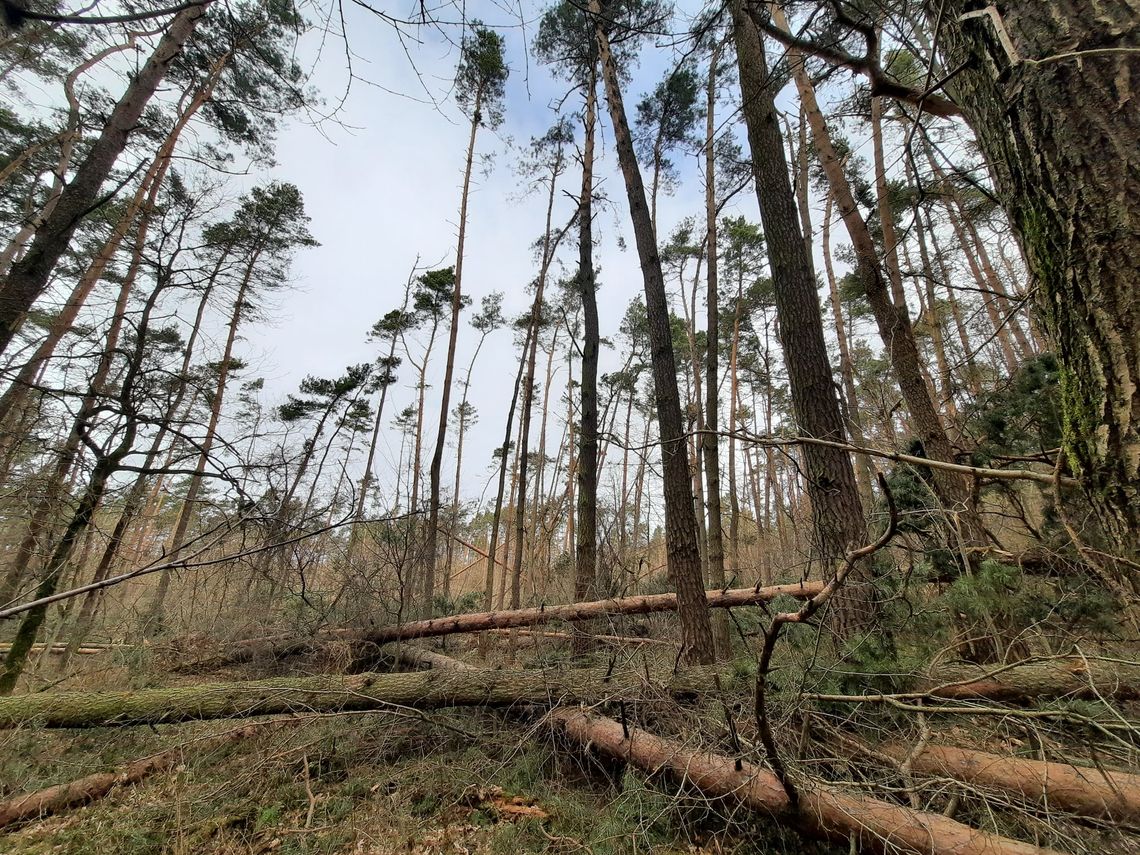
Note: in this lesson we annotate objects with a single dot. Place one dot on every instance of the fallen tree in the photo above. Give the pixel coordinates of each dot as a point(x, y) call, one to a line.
point(872, 824)
point(1059, 786)
point(91, 787)
point(483, 621)
point(875, 825)
point(1070, 676)
point(337, 694)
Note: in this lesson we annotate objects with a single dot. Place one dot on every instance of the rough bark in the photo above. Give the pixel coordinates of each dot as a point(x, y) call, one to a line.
point(586, 509)
point(29, 276)
point(834, 494)
point(1054, 111)
point(681, 533)
point(864, 823)
point(710, 438)
point(282, 696)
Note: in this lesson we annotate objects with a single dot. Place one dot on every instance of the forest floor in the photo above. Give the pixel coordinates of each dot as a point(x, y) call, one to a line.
point(452, 781)
point(463, 781)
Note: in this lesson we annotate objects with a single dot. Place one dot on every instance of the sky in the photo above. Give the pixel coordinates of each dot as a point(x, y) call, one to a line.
point(382, 186)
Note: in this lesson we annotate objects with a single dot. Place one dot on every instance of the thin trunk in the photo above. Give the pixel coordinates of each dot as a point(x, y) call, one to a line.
point(431, 545)
point(711, 439)
point(489, 581)
point(846, 366)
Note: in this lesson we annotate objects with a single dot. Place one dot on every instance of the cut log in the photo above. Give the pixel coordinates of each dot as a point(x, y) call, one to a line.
point(1074, 677)
point(822, 812)
point(1058, 786)
point(483, 621)
point(337, 694)
point(91, 787)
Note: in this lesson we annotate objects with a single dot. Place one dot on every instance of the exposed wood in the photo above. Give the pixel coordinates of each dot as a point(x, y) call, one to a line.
point(870, 824)
point(326, 694)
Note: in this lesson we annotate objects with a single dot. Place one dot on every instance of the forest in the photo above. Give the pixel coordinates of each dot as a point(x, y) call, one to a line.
point(608, 426)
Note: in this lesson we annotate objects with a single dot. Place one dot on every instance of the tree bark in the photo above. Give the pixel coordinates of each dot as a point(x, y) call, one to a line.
point(283, 696)
point(711, 439)
point(92, 787)
point(586, 508)
point(1057, 678)
point(834, 494)
point(681, 532)
point(29, 276)
point(1048, 91)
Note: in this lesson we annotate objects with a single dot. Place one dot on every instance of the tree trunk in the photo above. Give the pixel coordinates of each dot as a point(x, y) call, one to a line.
point(864, 823)
point(681, 534)
point(29, 276)
point(330, 694)
point(489, 584)
point(431, 545)
point(477, 622)
point(1099, 793)
point(863, 475)
point(155, 614)
point(92, 787)
point(1053, 115)
point(710, 439)
point(834, 494)
point(586, 508)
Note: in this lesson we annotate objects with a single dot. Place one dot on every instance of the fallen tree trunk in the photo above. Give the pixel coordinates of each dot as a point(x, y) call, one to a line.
point(1058, 786)
point(1076, 677)
point(337, 694)
point(822, 812)
point(483, 621)
point(91, 787)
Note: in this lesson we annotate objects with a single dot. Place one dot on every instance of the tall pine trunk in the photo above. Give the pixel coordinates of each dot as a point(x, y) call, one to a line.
point(836, 507)
point(681, 533)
